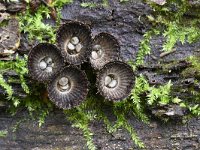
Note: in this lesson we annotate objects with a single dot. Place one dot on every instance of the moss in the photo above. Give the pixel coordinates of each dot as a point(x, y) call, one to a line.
point(194, 69)
point(167, 68)
point(3, 133)
point(185, 87)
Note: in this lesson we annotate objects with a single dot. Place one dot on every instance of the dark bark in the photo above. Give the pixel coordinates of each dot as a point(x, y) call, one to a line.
point(127, 22)
point(57, 133)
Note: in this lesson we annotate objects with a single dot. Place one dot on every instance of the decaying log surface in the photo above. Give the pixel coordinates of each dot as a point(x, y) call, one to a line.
point(57, 133)
point(127, 22)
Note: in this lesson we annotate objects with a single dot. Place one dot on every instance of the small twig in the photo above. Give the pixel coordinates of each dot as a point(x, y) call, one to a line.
point(166, 53)
point(197, 50)
point(154, 57)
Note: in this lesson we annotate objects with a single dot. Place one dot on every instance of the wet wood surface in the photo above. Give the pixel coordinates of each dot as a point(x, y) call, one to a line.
point(126, 23)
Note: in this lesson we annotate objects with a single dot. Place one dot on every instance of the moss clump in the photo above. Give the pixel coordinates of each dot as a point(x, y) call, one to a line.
point(194, 69)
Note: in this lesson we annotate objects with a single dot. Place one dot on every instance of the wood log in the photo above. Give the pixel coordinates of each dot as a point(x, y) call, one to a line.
point(57, 133)
point(127, 22)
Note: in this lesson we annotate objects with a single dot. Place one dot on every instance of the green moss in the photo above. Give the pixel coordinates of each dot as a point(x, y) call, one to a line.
point(3, 133)
point(144, 47)
point(174, 25)
point(167, 68)
point(194, 69)
point(33, 23)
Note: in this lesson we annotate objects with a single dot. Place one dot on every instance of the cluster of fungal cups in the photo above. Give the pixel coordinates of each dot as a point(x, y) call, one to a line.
point(58, 66)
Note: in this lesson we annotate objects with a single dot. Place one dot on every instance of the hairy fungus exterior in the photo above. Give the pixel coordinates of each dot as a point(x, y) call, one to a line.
point(44, 61)
point(69, 88)
point(115, 81)
point(74, 40)
point(105, 48)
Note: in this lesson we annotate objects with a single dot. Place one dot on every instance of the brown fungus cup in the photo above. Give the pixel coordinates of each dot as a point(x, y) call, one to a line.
point(44, 61)
point(105, 48)
point(69, 88)
point(115, 81)
point(74, 40)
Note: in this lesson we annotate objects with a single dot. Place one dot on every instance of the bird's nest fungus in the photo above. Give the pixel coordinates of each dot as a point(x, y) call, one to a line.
point(57, 66)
